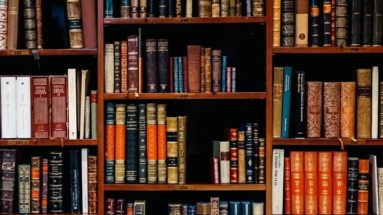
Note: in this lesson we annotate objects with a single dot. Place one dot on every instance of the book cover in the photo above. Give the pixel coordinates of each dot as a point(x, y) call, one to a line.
point(40, 107)
point(131, 159)
point(363, 99)
point(23, 107)
point(314, 109)
point(59, 97)
point(287, 72)
point(277, 101)
point(331, 109)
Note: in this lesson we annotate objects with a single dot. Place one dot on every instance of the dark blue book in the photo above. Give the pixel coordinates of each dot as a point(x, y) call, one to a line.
point(246, 207)
point(125, 8)
point(287, 72)
point(131, 143)
point(223, 208)
point(152, 8)
point(142, 161)
point(235, 208)
point(192, 210)
point(256, 152)
point(151, 66)
point(110, 119)
point(74, 178)
point(249, 149)
point(162, 8)
point(55, 24)
point(223, 74)
point(171, 8)
point(176, 75)
point(180, 75)
point(108, 8)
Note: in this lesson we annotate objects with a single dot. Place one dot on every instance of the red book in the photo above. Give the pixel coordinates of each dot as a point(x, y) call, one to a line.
point(59, 107)
point(88, 13)
point(324, 182)
point(287, 186)
point(185, 75)
point(311, 183)
point(297, 182)
point(40, 106)
point(233, 138)
point(363, 184)
point(339, 181)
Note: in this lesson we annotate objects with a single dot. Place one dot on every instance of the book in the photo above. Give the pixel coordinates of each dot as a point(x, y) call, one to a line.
point(363, 99)
point(40, 103)
point(347, 109)
point(277, 185)
point(356, 22)
point(93, 113)
point(276, 23)
point(163, 65)
point(352, 184)
point(108, 9)
point(172, 150)
point(12, 25)
point(30, 34)
point(377, 23)
point(224, 165)
point(23, 107)
point(8, 107)
point(74, 179)
point(92, 184)
point(44, 185)
point(367, 22)
point(277, 101)
point(380, 188)
point(59, 96)
point(124, 66)
point(374, 184)
point(161, 142)
point(24, 171)
point(287, 186)
point(3, 24)
point(84, 181)
point(363, 184)
point(117, 67)
point(310, 182)
point(120, 143)
point(287, 23)
point(341, 23)
point(216, 69)
point(314, 109)
point(109, 68)
point(327, 22)
point(151, 139)
point(55, 182)
point(76, 39)
point(301, 20)
point(339, 181)
point(110, 135)
point(300, 104)
point(249, 147)
point(331, 107)
point(88, 18)
point(325, 184)
point(194, 65)
point(72, 104)
point(241, 155)
point(287, 75)
point(233, 142)
point(35, 184)
point(131, 159)
point(374, 102)
point(182, 149)
point(142, 161)
point(133, 63)
point(151, 65)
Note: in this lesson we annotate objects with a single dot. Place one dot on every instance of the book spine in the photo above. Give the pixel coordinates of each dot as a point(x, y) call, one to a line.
point(110, 136)
point(181, 87)
point(258, 7)
point(238, 7)
point(161, 142)
point(224, 208)
point(74, 178)
point(223, 73)
point(194, 65)
point(208, 80)
point(117, 67)
point(367, 22)
point(131, 164)
point(331, 107)
point(120, 207)
point(133, 64)
point(241, 155)
point(108, 9)
point(109, 68)
point(23, 104)
point(233, 137)
point(352, 184)
point(287, 186)
point(381, 110)
point(40, 104)
point(124, 8)
point(324, 182)
point(35, 188)
point(314, 22)
point(341, 23)
point(135, 8)
point(235, 207)
point(311, 182)
point(175, 75)
point(39, 25)
point(363, 184)
point(224, 162)
point(202, 70)
point(75, 24)
point(256, 147)
point(13, 20)
point(277, 101)
point(178, 8)
point(172, 150)
point(380, 189)
point(262, 161)
point(215, 7)
point(110, 206)
point(377, 23)
point(205, 8)
point(120, 141)
point(301, 20)
point(216, 70)
point(300, 106)
point(189, 8)
point(277, 185)
point(326, 22)
point(59, 107)
point(142, 164)
point(8, 180)
point(374, 184)
point(88, 13)
point(224, 8)
point(163, 65)
point(276, 23)
point(171, 9)
point(151, 139)
point(185, 74)
point(214, 205)
point(93, 113)
point(84, 180)
point(24, 188)
point(347, 110)
point(92, 185)
point(30, 24)
point(314, 109)
point(124, 66)
point(374, 102)
point(363, 99)
point(297, 182)
point(145, 9)
point(171, 74)
point(339, 179)
point(356, 22)
point(44, 186)
point(182, 137)
point(139, 207)
point(151, 65)
point(333, 16)
point(3, 24)
point(287, 74)
point(287, 22)
point(258, 207)
point(55, 182)
point(233, 79)
point(162, 8)
point(8, 107)
point(174, 208)
point(249, 150)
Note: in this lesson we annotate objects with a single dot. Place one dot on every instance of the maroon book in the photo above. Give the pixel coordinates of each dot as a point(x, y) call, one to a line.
point(40, 106)
point(59, 107)
point(133, 64)
point(185, 75)
point(88, 13)
point(233, 155)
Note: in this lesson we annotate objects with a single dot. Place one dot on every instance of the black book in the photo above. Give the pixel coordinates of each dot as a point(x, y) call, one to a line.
point(326, 22)
point(314, 23)
point(356, 22)
point(152, 8)
point(377, 23)
point(131, 143)
point(352, 185)
point(300, 104)
point(75, 181)
point(367, 22)
point(287, 22)
point(8, 163)
point(55, 182)
point(142, 161)
point(162, 8)
point(151, 65)
point(163, 65)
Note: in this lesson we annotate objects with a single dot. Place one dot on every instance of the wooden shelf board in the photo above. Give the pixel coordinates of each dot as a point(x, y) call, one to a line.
point(237, 95)
point(184, 20)
point(328, 50)
point(184, 187)
point(326, 142)
point(47, 142)
point(49, 52)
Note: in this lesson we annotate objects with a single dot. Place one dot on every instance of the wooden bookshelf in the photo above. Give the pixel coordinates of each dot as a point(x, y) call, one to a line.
point(326, 142)
point(328, 50)
point(184, 20)
point(47, 142)
point(49, 52)
point(185, 187)
point(202, 96)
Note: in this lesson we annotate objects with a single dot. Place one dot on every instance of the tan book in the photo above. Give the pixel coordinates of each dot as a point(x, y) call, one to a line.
point(363, 98)
point(331, 109)
point(208, 70)
point(13, 20)
point(205, 8)
point(241, 157)
point(301, 22)
point(172, 150)
point(347, 109)
point(276, 23)
point(277, 101)
point(74, 24)
point(182, 137)
point(314, 109)
point(381, 113)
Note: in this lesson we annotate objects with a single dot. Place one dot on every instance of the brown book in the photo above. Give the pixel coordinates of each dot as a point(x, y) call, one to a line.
point(88, 13)
point(301, 20)
point(205, 8)
point(35, 185)
point(347, 109)
point(363, 185)
point(216, 70)
point(40, 106)
point(363, 99)
point(59, 106)
point(287, 186)
point(339, 181)
point(133, 64)
point(297, 182)
point(314, 109)
point(13, 20)
point(202, 70)
point(74, 24)
point(3, 25)
point(185, 74)
point(92, 184)
point(194, 66)
point(233, 138)
point(241, 157)
point(311, 183)
point(324, 182)
point(208, 70)
point(277, 101)
point(276, 23)
point(331, 109)
point(124, 66)
point(39, 25)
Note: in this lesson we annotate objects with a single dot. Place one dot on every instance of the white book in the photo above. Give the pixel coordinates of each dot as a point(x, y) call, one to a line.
point(72, 106)
point(109, 68)
point(277, 181)
point(87, 117)
point(380, 183)
point(8, 107)
point(374, 184)
point(23, 107)
point(84, 179)
point(258, 208)
point(224, 162)
point(84, 86)
point(375, 102)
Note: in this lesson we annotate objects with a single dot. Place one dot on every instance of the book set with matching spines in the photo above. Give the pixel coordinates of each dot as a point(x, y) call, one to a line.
point(121, 207)
point(240, 158)
point(41, 182)
point(351, 109)
point(144, 144)
point(179, 8)
point(327, 23)
point(326, 182)
point(203, 69)
point(42, 107)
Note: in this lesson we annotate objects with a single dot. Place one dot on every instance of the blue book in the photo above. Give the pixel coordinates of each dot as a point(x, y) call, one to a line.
point(223, 73)
point(142, 160)
point(108, 8)
point(246, 207)
point(286, 98)
point(192, 210)
point(180, 75)
point(131, 165)
point(175, 73)
point(235, 208)
point(223, 208)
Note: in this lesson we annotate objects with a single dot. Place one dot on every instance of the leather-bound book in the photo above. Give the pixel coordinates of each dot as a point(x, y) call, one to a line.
point(341, 23)
point(314, 109)
point(59, 106)
point(117, 67)
point(208, 79)
point(347, 109)
point(367, 22)
point(182, 150)
point(92, 185)
point(216, 70)
point(297, 182)
point(40, 107)
point(179, 8)
point(13, 21)
point(39, 25)
point(276, 23)
point(3, 24)
point(161, 142)
point(377, 23)
point(249, 147)
point(131, 155)
point(55, 183)
point(134, 8)
point(124, 8)
point(147, 10)
point(363, 99)
point(202, 70)
point(215, 8)
point(44, 185)
point(7, 189)
point(133, 64)
point(30, 24)
point(142, 161)
point(311, 182)
point(301, 20)
point(325, 182)
point(287, 22)
point(76, 39)
point(24, 185)
point(258, 7)
point(120, 143)
point(172, 150)
point(241, 155)
point(35, 184)
point(258, 147)
point(75, 180)
point(326, 22)
point(352, 184)
point(233, 138)
point(333, 14)
point(339, 180)
point(331, 109)
point(356, 22)
point(287, 186)
point(194, 65)
point(314, 23)
point(110, 136)
point(277, 101)
point(163, 65)
point(171, 8)
point(151, 65)
point(109, 68)
point(151, 139)
point(162, 8)
point(124, 66)
point(185, 76)
point(363, 185)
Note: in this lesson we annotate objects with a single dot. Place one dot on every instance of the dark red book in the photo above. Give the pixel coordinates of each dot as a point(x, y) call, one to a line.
point(40, 106)
point(185, 75)
point(88, 13)
point(59, 107)
point(233, 138)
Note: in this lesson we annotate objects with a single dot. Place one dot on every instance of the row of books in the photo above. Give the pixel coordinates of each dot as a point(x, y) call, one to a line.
point(42, 185)
point(144, 145)
point(202, 70)
point(178, 8)
point(56, 106)
point(325, 182)
point(329, 23)
point(327, 109)
point(78, 15)
point(240, 158)
point(122, 207)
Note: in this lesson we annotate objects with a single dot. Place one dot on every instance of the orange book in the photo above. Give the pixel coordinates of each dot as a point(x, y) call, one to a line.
point(151, 139)
point(120, 143)
point(161, 141)
point(324, 182)
point(287, 186)
point(363, 183)
point(297, 182)
point(339, 181)
point(311, 183)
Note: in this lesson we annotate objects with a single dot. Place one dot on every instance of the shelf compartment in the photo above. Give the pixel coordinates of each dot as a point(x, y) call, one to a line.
point(328, 50)
point(201, 96)
point(49, 52)
point(326, 142)
point(185, 187)
point(184, 20)
point(47, 142)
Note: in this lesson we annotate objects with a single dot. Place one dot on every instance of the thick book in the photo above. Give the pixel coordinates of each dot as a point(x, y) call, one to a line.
point(124, 66)
point(151, 140)
point(339, 180)
point(331, 109)
point(367, 22)
point(287, 186)
point(163, 65)
point(92, 184)
point(117, 66)
point(300, 104)
point(8, 107)
point(88, 18)
point(72, 104)
point(55, 183)
point(375, 102)
point(13, 21)
point(311, 182)
point(224, 165)
point(194, 65)
point(278, 180)
point(120, 142)
point(276, 23)
point(301, 20)
point(8, 177)
point(161, 142)
point(109, 68)
point(314, 109)
point(277, 101)
point(75, 181)
point(347, 109)
point(151, 65)
point(24, 172)
point(356, 22)
point(233, 139)
point(23, 107)
point(297, 182)
point(3, 24)
point(110, 135)
point(182, 150)
point(30, 34)
point(363, 185)
point(142, 161)
point(133, 64)
point(35, 184)
point(204, 8)
point(216, 70)
point(288, 23)
point(352, 184)
point(377, 23)
point(363, 99)
point(40, 104)
point(76, 39)
point(341, 23)
point(286, 101)
point(172, 150)
point(131, 165)
point(58, 113)
point(325, 184)
point(241, 155)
